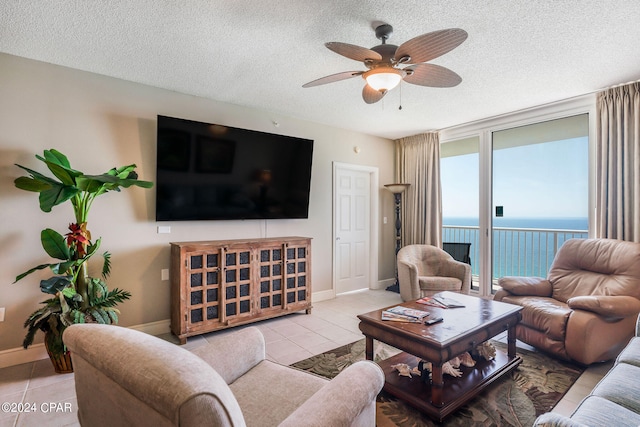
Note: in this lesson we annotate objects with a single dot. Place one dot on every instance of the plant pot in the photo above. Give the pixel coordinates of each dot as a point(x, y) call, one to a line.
point(61, 360)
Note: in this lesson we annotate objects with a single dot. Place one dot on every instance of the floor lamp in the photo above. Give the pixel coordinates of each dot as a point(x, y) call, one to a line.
point(397, 190)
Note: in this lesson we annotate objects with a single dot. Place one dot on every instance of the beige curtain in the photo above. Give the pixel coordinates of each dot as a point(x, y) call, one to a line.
point(618, 163)
point(418, 164)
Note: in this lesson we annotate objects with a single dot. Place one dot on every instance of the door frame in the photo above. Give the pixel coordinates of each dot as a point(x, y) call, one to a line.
point(373, 220)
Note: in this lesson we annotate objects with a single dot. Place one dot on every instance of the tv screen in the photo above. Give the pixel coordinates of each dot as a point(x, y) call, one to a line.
point(213, 172)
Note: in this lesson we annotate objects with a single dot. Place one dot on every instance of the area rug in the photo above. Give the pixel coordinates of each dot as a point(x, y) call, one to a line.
point(515, 400)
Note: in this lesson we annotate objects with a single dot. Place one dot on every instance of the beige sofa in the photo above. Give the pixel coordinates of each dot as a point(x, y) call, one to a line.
point(586, 308)
point(125, 377)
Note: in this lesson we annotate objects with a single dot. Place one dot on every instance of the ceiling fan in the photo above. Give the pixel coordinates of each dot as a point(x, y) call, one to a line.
point(385, 60)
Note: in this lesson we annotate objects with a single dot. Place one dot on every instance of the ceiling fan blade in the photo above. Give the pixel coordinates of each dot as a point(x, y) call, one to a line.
point(333, 78)
point(352, 51)
point(370, 95)
point(432, 75)
point(429, 46)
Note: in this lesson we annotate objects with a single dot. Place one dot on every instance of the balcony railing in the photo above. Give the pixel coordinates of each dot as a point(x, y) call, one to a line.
point(516, 251)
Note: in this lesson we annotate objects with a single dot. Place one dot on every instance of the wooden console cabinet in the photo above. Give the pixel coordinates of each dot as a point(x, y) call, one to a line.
point(224, 283)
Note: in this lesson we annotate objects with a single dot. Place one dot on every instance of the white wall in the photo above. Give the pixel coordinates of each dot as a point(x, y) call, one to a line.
point(101, 122)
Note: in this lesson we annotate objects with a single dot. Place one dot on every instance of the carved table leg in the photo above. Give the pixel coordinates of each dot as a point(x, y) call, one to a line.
point(511, 341)
point(368, 350)
point(437, 384)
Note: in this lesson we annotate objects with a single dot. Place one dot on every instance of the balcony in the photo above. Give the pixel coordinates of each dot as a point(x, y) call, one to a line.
point(516, 251)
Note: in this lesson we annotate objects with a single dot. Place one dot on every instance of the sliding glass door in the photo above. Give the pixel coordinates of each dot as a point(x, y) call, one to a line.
point(515, 195)
point(459, 172)
point(540, 193)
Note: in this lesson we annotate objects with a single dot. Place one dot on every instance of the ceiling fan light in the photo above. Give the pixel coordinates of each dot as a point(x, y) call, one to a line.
point(384, 78)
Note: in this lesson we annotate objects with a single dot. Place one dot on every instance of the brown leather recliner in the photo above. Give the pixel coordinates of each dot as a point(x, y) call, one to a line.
point(586, 308)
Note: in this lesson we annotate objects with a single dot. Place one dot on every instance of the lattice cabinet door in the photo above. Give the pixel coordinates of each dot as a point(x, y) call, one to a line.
point(204, 278)
point(271, 280)
point(236, 298)
point(297, 274)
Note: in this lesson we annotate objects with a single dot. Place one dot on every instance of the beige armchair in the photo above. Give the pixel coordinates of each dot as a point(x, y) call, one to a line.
point(424, 270)
point(586, 308)
point(125, 377)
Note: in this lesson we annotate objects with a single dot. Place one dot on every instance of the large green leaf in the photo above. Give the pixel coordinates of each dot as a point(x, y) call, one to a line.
point(54, 244)
point(91, 186)
point(57, 194)
point(31, 184)
point(63, 267)
point(93, 248)
point(55, 284)
point(126, 183)
point(124, 172)
point(66, 175)
point(91, 183)
point(37, 176)
point(28, 272)
point(54, 156)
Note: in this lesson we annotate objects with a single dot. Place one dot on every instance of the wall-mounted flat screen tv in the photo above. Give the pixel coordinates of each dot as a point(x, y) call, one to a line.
point(213, 172)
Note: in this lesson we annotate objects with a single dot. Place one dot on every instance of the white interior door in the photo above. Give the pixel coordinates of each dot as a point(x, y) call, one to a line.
point(352, 198)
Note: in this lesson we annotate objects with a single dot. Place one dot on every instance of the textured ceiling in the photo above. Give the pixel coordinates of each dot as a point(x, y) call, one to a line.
point(259, 53)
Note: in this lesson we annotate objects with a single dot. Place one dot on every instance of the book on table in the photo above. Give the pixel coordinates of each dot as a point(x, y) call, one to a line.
point(440, 301)
point(404, 314)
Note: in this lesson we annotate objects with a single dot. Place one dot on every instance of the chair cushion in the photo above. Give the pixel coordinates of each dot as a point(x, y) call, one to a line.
point(596, 411)
point(631, 353)
point(270, 392)
point(596, 267)
point(620, 386)
point(544, 314)
point(439, 283)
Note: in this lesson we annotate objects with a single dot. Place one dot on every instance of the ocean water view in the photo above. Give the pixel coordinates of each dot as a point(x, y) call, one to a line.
point(521, 246)
point(541, 223)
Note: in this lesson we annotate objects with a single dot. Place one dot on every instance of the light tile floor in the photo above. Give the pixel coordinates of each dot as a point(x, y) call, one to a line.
point(289, 339)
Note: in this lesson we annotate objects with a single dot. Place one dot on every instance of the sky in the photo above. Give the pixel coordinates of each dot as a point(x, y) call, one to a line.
point(546, 180)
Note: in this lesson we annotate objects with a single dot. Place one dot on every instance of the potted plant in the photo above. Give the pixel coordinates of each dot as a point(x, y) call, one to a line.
point(77, 297)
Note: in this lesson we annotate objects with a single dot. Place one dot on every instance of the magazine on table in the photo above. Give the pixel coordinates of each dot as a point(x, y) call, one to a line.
point(440, 301)
point(400, 313)
point(399, 318)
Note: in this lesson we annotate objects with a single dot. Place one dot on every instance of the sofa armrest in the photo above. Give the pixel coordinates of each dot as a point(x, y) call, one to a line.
point(233, 354)
point(526, 286)
point(605, 305)
point(555, 420)
point(342, 399)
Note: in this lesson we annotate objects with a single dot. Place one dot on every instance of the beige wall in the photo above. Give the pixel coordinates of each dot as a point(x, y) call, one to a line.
point(101, 122)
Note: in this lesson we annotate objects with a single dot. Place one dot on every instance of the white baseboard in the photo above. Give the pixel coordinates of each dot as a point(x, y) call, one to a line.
point(18, 356)
point(323, 295)
point(382, 284)
point(154, 328)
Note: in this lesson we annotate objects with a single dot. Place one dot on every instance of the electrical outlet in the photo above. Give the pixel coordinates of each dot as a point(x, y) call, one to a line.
point(164, 229)
point(384, 219)
point(164, 274)
point(1, 314)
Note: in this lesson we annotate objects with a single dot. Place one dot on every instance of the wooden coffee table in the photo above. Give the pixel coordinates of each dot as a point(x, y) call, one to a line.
point(462, 330)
